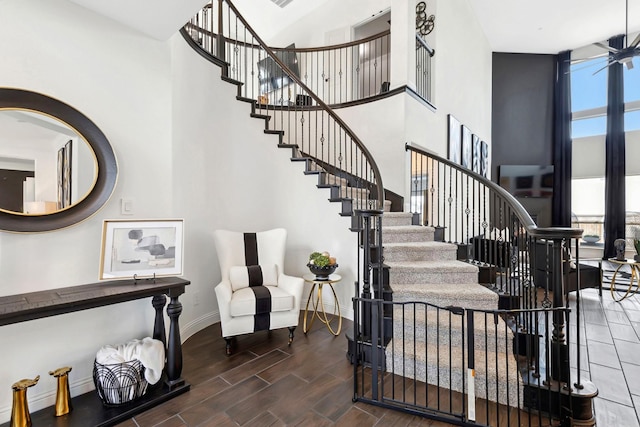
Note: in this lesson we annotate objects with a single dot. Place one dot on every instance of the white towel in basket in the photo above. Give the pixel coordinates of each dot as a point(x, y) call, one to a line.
point(148, 351)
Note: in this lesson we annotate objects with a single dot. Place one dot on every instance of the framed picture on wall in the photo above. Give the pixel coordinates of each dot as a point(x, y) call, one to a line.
point(466, 147)
point(141, 248)
point(455, 129)
point(484, 159)
point(476, 153)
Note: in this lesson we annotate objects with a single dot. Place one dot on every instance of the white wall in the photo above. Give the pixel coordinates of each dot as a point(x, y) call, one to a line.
point(462, 85)
point(185, 149)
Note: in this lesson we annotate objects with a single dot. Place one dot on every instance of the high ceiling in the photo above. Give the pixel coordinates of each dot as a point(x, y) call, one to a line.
point(522, 26)
point(551, 26)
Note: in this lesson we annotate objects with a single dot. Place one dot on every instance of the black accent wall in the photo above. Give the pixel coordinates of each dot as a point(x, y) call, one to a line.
point(522, 110)
point(522, 115)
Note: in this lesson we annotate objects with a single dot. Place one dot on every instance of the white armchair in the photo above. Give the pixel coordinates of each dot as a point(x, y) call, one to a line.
point(254, 293)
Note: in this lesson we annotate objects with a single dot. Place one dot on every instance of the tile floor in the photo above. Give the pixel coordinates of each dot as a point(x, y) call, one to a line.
point(612, 332)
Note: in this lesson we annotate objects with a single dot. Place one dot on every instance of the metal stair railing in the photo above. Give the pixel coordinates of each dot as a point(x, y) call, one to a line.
point(292, 110)
point(528, 266)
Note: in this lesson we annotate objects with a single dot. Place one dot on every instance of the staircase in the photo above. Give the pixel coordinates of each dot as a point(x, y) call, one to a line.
point(430, 339)
point(429, 344)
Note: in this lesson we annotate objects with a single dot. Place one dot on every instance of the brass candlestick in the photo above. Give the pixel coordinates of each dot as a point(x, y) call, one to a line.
point(20, 416)
point(63, 397)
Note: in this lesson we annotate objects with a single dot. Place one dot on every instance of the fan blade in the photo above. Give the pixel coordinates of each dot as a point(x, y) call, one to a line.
point(581, 60)
point(606, 66)
point(604, 46)
point(635, 42)
point(585, 66)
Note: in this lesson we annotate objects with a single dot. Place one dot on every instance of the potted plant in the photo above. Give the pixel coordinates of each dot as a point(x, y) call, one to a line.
point(322, 264)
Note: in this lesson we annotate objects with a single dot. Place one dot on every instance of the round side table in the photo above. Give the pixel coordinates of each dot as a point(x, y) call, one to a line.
point(635, 275)
point(318, 303)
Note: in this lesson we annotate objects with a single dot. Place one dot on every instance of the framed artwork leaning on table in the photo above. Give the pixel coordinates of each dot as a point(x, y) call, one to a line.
point(141, 248)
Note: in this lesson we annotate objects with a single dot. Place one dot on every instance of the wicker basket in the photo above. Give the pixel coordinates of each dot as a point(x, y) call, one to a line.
point(119, 383)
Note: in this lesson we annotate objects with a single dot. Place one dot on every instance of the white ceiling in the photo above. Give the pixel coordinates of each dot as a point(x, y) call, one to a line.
point(520, 26)
point(551, 26)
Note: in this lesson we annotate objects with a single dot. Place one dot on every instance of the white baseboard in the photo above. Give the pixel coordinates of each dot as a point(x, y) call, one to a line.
point(198, 324)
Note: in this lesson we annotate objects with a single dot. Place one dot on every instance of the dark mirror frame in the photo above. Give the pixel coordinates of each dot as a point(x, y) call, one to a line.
point(106, 163)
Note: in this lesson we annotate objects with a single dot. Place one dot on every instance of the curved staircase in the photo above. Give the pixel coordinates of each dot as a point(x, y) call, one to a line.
point(430, 335)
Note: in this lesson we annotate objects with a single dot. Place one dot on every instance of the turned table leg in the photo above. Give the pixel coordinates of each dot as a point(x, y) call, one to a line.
point(159, 333)
point(174, 347)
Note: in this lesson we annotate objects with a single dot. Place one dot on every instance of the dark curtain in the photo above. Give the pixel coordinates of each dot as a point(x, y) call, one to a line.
point(614, 217)
point(561, 216)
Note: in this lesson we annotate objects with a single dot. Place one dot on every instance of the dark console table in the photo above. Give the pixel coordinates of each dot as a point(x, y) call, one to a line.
point(88, 409)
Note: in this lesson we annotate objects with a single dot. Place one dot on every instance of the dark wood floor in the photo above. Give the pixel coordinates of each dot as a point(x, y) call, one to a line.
point(267, 383)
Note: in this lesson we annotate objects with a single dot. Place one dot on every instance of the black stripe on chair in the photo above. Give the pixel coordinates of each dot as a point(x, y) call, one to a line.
point(262, 318)
point(255, 275)
point(263, 299)
point(250, 249)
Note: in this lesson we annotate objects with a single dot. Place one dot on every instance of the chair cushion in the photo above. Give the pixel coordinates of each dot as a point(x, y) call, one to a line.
point(244, 276)
point(245, 303)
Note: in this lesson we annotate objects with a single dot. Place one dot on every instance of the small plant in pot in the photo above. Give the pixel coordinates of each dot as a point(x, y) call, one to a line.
point(636, 244)
point(322, 264)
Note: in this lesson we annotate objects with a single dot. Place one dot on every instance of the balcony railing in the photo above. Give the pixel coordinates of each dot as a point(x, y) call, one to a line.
point(424, 53)
point(338, 74)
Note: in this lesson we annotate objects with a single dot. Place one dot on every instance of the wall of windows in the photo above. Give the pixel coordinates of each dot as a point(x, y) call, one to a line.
point(589, 81)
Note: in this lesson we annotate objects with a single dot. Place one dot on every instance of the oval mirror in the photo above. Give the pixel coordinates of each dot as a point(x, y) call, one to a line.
point(56, 167)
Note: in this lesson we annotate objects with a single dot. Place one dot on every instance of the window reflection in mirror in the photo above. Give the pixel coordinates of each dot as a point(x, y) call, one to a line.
point(45, 165)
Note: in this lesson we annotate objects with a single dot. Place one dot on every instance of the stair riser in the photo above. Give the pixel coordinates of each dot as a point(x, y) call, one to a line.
point(441, 322)
point(402, 254)
point(432, 296)
point(441, 301)
point(389, 221)
point(448, 336)
point(420, 234)
point(433, 367)
point(397, 276)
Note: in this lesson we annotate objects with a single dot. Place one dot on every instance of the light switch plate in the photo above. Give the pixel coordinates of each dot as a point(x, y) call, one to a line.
point(126, 206)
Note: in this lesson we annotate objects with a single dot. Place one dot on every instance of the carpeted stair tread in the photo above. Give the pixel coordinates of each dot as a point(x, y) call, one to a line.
point(397, 218)
point(431, 272)
point(419, 251)
point(467, 295)
point(407, 233)
point(430, 363)
point(431, 324)
point(446, 266)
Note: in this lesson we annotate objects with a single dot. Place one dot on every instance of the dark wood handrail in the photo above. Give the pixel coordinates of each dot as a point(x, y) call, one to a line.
point(319, 101)
point(518, 209)
point(300, 49)
point(334, 46)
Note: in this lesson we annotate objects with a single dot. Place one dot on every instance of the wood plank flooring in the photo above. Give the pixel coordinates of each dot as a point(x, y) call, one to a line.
point(267, 383)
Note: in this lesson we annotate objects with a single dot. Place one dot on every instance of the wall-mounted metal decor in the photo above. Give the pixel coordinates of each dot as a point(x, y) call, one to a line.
point(424, 23)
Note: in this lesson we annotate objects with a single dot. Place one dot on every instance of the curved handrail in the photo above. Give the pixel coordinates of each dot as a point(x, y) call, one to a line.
point(352, 43)
point(320, 102)
point(331, 126)
point(339, 73)
point(523, 216)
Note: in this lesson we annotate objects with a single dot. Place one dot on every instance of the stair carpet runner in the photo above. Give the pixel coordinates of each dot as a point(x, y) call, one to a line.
point(428, 341)
point(425, 270)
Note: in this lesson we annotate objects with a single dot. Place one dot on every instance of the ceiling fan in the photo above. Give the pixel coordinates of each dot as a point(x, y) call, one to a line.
point(622, 56)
